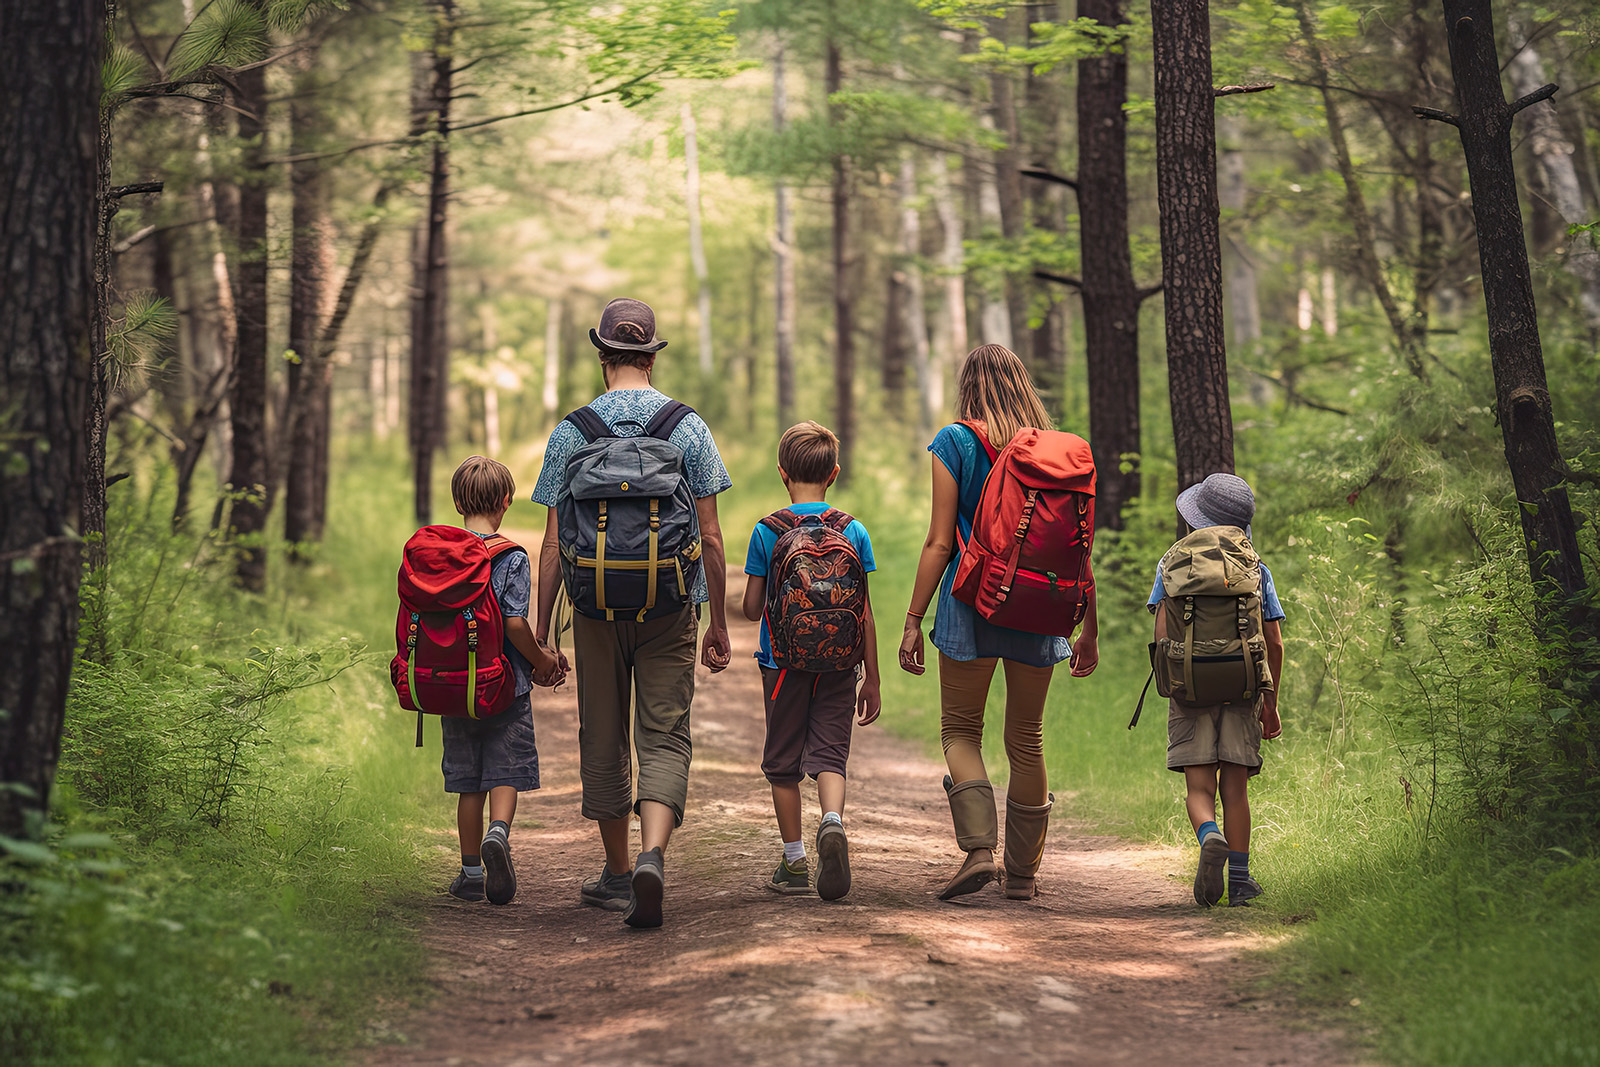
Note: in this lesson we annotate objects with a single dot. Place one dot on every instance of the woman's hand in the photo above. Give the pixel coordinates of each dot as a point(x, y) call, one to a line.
point(911, 660)
point(1085, 655)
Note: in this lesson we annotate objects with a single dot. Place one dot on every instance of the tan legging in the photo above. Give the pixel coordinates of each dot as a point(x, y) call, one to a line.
point(963, 694)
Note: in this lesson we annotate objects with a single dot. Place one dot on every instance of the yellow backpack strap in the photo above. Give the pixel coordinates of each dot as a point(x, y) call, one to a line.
point(411, 673)
point(600, 561)
point(650, 575)
point(472, 665)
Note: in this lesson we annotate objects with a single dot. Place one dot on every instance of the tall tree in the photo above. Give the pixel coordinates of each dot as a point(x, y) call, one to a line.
point(51, 87)
point(844, 297)
point(1191, 248)
point(1042, 133)
point(247, 399)
point(783, 252)
point(697, 243)
point(913, 319)
point(430, 288)
point(1522, 395)
point(952, 264)
point(1008, 189)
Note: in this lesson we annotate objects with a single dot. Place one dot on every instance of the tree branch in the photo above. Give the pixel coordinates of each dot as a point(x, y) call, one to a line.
point(1544, 92)
point(1044, 174)
point(595, 95)
point(1297, 397)
point(1235, 90)
point(1148, 291)
point(1436, 115)
point(1059, 279)
point(117, 192)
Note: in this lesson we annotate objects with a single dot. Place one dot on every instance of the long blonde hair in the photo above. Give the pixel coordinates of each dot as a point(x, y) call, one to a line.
point(994, 386)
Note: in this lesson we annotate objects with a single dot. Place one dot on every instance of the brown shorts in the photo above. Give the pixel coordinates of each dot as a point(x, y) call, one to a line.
point(809, 718)
point(1222, 733)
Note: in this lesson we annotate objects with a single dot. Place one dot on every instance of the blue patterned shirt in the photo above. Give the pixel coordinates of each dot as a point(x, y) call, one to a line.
point(511, 578)
point(627, 411)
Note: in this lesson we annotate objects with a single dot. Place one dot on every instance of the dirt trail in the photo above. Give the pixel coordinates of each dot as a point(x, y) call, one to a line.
point(1112, 964)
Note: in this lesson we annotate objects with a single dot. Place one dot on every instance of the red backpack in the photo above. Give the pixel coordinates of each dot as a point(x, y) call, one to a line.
point(1026, 566)
point(816, 606)
point(448, 616)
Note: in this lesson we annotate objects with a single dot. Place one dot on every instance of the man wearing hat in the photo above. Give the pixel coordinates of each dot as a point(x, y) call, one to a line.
point(1219, 747)
point(621, 661)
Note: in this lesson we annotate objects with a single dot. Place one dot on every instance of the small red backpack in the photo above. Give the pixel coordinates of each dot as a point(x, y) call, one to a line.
point(816, 606)
point(1026, 566)
point(450, 638)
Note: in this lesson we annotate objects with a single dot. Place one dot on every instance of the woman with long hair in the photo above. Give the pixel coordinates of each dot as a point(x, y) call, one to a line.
point(994, 392)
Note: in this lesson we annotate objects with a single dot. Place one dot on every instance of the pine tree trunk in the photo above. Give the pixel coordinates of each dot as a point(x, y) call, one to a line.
point(913, 324)
point(952, 258)
point(248, 397)
point(94, 423)
point(1522, 395)
point(1244, 307)
point(697, 244)
point(1008, 188)
point(783, 260)
point(844, 341)
point(1043, 96)
point(994, 313)
point(1111, 298)
point(310, 377)
point(51, 88)
point(1191, 249)
point(431, 288)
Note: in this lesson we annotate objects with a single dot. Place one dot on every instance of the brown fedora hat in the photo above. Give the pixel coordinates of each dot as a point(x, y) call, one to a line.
point(627, 325)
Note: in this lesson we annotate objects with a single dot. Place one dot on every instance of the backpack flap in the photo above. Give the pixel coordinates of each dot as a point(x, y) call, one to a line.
point(1210, 649)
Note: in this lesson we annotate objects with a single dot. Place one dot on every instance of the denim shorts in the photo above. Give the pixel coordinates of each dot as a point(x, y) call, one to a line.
point(483, 754)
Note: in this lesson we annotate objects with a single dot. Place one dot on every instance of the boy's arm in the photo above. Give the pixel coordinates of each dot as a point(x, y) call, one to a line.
point(1271, 723)
point(755, 596)
point(869, 702)
point(520, 634)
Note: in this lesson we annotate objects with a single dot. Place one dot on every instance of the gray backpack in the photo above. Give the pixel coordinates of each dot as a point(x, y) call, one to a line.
point(626, 520)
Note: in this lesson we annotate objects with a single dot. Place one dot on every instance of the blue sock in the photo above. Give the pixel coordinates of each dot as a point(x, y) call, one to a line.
point(1206, 828)
point(1238, 866)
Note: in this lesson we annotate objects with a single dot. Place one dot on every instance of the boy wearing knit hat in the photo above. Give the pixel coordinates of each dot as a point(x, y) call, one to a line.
point(1218, 657)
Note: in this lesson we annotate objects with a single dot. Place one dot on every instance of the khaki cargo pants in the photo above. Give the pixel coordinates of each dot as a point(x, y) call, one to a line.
point(655, 660)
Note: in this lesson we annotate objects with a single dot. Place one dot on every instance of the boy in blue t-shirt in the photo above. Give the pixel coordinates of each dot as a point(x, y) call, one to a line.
point(1219, 748)
point(809, 713)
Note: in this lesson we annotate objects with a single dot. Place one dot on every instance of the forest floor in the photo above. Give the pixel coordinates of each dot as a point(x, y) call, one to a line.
point(1112, 964)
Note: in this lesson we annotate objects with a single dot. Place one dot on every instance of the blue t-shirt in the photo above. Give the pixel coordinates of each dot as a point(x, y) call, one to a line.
point(958, 630)
point(1271, 610)
point(511, 578)
point(627, 411)
point(758, 557)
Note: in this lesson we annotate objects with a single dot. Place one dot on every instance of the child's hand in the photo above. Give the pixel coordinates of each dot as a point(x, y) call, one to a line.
point(1085, 655)
point(1271, 724)
point(911, 660)
point(869, 702)
point(549, 667)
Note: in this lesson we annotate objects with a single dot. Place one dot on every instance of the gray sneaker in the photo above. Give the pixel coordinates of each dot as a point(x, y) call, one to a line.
point(465, 888)
point(833, 861)
point(500, 877)
point(609, 891)
point(649, 885)
point(1242, 891)
point(1209, 876)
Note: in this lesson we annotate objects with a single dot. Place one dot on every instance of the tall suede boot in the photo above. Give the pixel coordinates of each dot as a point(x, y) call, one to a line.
point(977, 834)
point(1026, 826)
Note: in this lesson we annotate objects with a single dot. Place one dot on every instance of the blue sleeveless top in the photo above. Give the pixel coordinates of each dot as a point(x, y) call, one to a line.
point(958, 631)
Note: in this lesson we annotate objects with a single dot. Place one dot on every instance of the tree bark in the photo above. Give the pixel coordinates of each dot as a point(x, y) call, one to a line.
point(1008, 188)
point(783, 260)
point(697, 244)
point(952, 261)
point(1111, 299)
point(844, 341)
point(248, 396)
point(1554, 152)
point(1191, 251)
point(1522, 396)
point(431, 287)
point(1043, 135)
point(94, 423)
point(913, 324)
point(51, 89)
point(311, 377)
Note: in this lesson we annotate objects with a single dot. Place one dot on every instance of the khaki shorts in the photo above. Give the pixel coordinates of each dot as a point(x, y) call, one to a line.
point(1222, 733)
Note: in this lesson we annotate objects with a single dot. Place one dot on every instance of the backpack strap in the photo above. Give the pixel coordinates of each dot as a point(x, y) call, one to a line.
point(836, 520)
point(981, 432)
point(781, 521)
point(499, 544)
point(590, 424)
point(1139, 708)
point(666, 420)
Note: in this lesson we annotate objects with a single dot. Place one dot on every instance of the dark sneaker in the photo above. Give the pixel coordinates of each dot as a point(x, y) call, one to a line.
point(609, 891)
point(791, 879)
point(464, 888)
point(1210, 876)
point(1241, 891)
point(833, 861)
point(499, 877)
point(649, 885)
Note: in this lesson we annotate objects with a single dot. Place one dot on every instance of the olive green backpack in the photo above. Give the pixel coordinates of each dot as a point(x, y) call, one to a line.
point(1209, 647)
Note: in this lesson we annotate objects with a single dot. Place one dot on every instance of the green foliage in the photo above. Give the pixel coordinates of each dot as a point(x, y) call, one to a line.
point(225, 33)
point(134, 340)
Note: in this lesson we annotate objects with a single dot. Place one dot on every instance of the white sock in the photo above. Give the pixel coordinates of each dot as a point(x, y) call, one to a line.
point(833, 816)
point(794, 852)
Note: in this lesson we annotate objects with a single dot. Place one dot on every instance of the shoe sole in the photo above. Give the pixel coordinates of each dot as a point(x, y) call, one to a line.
point(970, 884)
point(477, 899)
point(833, 862)
point(1208, 877)
point(499, 878)
point(790, 890)
point(604, 903)
point(644, 912)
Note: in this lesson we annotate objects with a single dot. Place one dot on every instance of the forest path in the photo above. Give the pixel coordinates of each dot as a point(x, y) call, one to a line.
point(1111, 964)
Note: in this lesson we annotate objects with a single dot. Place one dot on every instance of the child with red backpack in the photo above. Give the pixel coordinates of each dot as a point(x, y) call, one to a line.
point(808, 565)
point(467, 653)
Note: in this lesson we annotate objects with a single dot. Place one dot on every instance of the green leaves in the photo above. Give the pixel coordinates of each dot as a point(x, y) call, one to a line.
point(122, 69)
point(134, 341)
point(227, 33)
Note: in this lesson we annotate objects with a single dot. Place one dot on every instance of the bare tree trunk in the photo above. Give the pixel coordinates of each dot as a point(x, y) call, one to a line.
point(1330, 302)
point(1554, 153)
point(248, 396)
point(551, 395)
point(1243, 304)
point(1522, 395)
point(94, 423)
point(783, 260)
point(1043, 135)
point(994, 314)
point(913, 311)
point(952, 260)
point(844, 342)
point(1191, 252)
point(1111, 299)
point(697, 244)
point(1008, 188)
point(431, 290)
point(51, 89)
